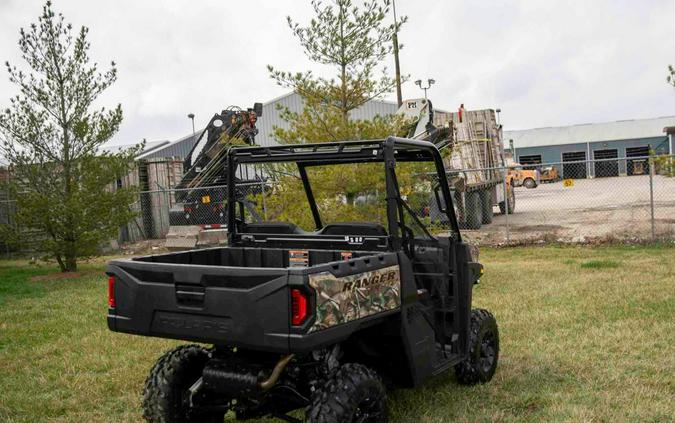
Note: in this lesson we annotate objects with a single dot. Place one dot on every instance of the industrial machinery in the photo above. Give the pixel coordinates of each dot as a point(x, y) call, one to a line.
point(473, 153)
point(199, 199)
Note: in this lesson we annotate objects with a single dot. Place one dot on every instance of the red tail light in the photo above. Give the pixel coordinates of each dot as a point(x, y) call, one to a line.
point(298, 307)
point(111, 291)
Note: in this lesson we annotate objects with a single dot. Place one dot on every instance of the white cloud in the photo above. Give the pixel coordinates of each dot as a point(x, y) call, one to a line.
point(542, 63)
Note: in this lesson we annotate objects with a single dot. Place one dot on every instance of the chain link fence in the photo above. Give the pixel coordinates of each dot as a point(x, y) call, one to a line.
point(622, 200)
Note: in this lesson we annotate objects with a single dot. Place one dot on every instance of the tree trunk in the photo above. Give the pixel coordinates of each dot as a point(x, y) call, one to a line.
point(71, 258)
point(71, 264)
point(59, 260)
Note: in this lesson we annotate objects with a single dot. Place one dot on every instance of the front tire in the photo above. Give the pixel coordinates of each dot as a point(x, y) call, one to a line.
point(481, 364)
point(165, 397)
point(355, 394)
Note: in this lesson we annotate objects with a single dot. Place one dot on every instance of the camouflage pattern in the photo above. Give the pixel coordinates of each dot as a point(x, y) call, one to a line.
point(341, 300)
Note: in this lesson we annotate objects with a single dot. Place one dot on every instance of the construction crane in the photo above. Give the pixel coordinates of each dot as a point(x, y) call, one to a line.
point(199, 198)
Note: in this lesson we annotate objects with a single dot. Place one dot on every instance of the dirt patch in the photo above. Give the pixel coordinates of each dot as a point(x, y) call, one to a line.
point(63, 276)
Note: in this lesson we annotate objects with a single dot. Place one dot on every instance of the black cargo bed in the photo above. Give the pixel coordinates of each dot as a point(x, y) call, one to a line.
point(225, 296)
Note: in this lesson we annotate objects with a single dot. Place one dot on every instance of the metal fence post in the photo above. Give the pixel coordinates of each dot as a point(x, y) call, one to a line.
point(506, 205)
point(264, 204)
point(651, 193)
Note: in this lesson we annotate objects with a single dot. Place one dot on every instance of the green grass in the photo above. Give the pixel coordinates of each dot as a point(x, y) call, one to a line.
point(579, 342)
point(600, 264)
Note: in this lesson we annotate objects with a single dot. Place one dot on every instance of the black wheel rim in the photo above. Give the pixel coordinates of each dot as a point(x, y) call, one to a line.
point(488, 352)
point(368, 411)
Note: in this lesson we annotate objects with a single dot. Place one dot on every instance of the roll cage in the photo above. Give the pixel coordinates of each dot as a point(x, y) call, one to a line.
point(388, 151)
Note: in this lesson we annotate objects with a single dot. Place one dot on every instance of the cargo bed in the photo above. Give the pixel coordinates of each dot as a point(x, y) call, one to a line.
point(233, 296)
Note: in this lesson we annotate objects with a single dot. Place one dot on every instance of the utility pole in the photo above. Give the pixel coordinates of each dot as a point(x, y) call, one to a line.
point(399, 96)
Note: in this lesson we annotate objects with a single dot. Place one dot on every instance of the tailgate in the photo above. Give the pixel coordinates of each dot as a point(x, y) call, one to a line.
point(237, 306)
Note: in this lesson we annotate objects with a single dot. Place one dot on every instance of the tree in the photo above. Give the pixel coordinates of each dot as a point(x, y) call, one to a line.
point(671, 75)
point(353, 41)
point(52, 138)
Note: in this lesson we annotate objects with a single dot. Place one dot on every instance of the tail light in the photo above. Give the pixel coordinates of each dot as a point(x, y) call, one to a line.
point(298, 307)
point(111, 291)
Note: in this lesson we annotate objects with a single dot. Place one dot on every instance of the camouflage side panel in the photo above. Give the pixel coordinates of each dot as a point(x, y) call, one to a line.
point(341, 300)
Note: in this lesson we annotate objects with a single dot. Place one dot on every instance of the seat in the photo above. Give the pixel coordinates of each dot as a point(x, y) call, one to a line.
point(271, 228)
point(354, 228)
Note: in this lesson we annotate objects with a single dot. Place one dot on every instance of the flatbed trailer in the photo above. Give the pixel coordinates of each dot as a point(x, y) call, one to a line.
point(473, 153)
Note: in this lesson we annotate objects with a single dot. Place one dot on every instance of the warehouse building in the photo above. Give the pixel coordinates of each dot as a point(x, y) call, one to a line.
point(595, 149)
point(270, 119)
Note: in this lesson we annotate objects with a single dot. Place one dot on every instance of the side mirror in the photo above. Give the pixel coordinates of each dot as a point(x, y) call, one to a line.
point(440, 201)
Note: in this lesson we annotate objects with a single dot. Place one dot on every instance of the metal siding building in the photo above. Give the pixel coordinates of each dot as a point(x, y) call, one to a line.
point(270, 119)
point(272, 114)
point(609, 140)
point(179, 148)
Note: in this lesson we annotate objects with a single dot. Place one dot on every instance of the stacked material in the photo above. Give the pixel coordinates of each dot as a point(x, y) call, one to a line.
point(476, 144)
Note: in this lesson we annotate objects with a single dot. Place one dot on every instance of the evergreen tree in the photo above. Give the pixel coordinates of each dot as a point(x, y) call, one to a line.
point(52, 138)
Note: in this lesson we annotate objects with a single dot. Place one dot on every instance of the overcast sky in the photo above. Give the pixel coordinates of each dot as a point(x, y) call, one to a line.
point(544, 63)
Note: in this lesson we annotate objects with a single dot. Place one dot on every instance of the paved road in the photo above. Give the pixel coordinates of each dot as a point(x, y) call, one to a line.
point(617, 207)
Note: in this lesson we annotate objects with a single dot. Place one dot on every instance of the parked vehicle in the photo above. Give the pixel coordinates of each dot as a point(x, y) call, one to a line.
point(205, 167)
point(529, 178)
point(473, 152)
point(321, 320)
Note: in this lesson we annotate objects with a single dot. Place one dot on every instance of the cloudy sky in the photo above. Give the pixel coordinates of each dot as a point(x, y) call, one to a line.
point(544, 63)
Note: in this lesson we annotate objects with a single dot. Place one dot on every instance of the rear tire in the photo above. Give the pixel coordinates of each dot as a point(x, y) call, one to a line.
point(355, 394)
point(486, 206)
point(481, 364)
point(530, 183)
point(165, 397)
point(473, 210)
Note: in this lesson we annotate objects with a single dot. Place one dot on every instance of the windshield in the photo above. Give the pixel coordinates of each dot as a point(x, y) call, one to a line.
point(312, 191)
point(353, 192)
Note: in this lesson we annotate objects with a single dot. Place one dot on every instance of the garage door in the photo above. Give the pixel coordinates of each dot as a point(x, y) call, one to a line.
point(605, 168)
point(638, 166)
point(530, 162)
point(574, 170)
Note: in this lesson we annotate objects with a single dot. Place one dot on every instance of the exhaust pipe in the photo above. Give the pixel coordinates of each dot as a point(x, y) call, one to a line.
point(267, 384)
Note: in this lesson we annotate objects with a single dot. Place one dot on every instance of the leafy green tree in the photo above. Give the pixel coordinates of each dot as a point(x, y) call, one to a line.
point(52, 138)
point(353, 41)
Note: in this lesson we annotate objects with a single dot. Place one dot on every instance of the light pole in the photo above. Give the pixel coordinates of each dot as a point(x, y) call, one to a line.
point(430, 82)
point(399, 96)
point(498, 112)
point(191, 116)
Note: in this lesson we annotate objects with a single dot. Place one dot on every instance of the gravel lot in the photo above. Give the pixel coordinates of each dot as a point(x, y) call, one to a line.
point(602, 208)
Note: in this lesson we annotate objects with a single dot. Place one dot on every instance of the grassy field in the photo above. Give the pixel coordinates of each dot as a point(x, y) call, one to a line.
point(587, 334)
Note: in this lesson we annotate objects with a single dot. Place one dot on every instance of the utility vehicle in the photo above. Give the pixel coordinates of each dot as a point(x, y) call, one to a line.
point(316, 319)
